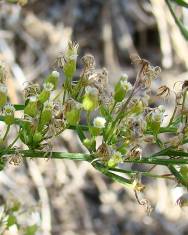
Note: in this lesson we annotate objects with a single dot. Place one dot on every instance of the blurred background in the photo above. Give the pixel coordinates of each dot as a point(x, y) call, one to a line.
point(70, 198)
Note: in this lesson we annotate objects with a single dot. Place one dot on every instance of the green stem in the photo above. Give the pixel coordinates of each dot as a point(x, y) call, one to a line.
point(14, 141)
point(6, 133)
point(182, 28)
point(178, 176)
point(145, 173)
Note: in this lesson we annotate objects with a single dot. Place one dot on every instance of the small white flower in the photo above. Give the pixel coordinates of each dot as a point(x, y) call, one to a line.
point(99, 122)
point(55, 74)
point(91, 90)
point(124, 76)
point(9, 109)
point(126, 85)
point(33, 98)
point(3, 88)
point(48, 86)
point(158, 113)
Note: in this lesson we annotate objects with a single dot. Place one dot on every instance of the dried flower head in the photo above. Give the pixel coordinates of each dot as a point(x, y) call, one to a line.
point(32, 89)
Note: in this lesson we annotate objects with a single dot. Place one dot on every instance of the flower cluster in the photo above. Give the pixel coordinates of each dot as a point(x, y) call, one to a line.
point(123, 118)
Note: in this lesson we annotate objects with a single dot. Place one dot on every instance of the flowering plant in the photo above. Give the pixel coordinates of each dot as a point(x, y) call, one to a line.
point(123, 118)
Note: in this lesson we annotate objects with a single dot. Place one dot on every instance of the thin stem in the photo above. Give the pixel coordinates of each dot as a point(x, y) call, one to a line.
point(7, 131)
point(14, 141)
point(145, 173)
point(178, 176)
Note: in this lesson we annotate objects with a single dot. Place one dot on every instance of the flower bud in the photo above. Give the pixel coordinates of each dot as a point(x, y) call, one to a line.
point(9, 114)
point(73, 116)
point(31, 108)
point(70, 57)
point(45, 94)
point(3, 95)
point(53, 78)
point(37, 137)
point(46, 115)
point(121, 88)
point(115, 159)
point(89, 143)
point(90, 102)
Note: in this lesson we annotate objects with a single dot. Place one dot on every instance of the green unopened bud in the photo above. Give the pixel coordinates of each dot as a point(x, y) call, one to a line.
point(46, 115)
point(121, 88)
point(37, 137)
point(90, 102)
point(3, 95)
point(73, 116)
point(89, 143)
point(53, 79)
point(137, 108)
point(70, 56)
point(31, 108)
point(45, 94)
point(115, 159)
point(9, 114)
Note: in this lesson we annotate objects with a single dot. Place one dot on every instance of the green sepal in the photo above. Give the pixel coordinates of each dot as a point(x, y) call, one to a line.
point(120, 93)
point(90, 102)
point(52, 79)
point(9, 119)
point(3, 99)
point(45, 118)
point(37, 137)
point(44, 96)
point(69, 69)
point(31, 108)
point(73, 116)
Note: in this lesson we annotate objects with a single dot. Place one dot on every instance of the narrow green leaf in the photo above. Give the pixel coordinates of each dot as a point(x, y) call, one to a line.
point(181, 3)
point(182, 28)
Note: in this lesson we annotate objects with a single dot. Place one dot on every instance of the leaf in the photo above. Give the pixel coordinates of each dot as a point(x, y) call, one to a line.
point(181, 26)
point(181, 3)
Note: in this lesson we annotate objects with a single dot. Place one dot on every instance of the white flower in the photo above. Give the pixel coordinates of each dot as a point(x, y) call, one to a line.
point(126, 85)
point(158, 114)
point(9, 109)
point(124, 76)
point(99, 122)
point(55, 74)
point(91, 90)
point(33, 98)
point(3, 88)
point(48, 86)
